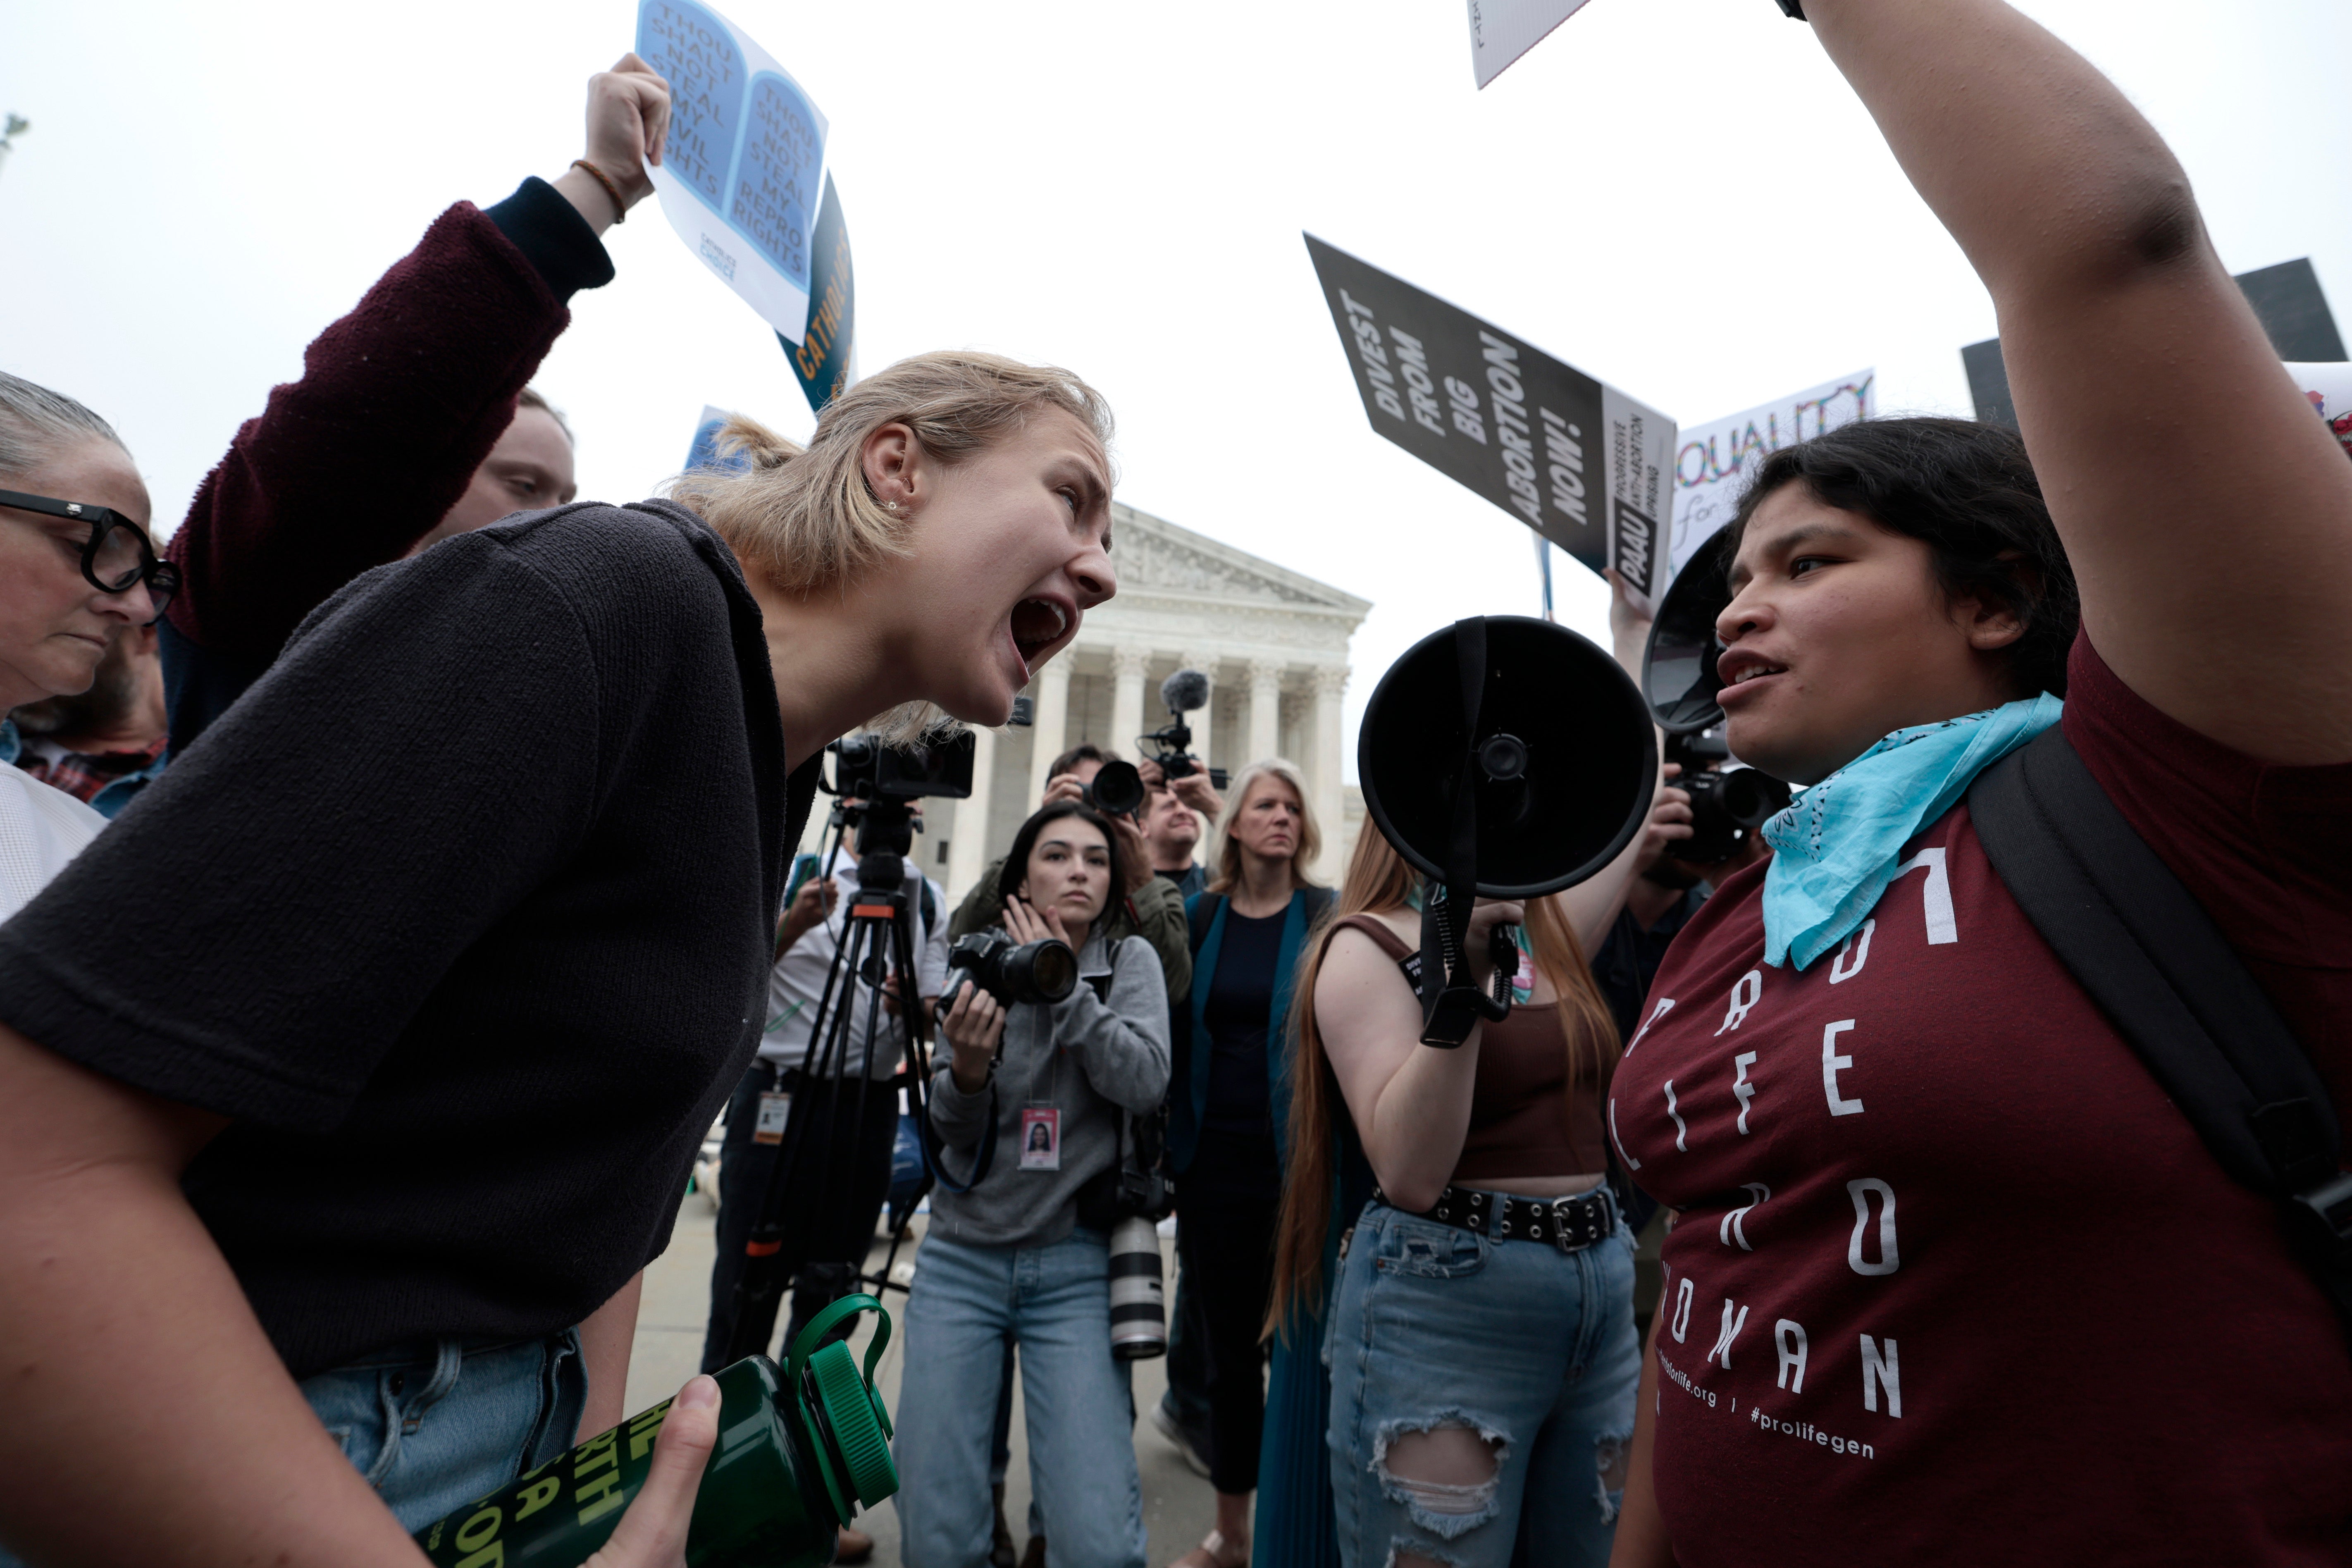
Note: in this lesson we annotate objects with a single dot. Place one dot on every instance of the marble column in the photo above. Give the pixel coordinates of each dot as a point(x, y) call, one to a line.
point(968, 849)
point(1048, 725)
point(1127, 667)
point(1331, 802)
point(1264, 711)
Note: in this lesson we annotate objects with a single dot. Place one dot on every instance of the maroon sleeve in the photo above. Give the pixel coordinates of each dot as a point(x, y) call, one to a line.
point(2266, 849)
point(398, 405)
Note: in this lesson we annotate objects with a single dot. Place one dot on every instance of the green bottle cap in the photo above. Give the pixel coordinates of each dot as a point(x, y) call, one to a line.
point(849, 1411)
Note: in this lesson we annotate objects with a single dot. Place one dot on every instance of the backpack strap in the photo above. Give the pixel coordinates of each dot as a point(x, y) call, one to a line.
point(2146, 952)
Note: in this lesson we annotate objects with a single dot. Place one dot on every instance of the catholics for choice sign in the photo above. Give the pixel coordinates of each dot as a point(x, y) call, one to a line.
point(1574, 458)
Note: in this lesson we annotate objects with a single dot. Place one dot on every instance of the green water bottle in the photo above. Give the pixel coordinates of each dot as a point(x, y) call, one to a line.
point(800, 1451)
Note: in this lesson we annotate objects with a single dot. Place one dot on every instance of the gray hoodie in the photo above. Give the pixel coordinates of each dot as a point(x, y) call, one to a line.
point(1082, 1055)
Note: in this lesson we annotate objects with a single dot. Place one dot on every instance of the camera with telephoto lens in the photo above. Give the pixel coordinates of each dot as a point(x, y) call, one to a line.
point(1040, 972)
point(1726, 805)
point(1183, 693)
point(1116, 790)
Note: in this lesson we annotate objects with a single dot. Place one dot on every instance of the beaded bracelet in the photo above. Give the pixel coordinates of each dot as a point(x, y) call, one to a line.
point(620, 207)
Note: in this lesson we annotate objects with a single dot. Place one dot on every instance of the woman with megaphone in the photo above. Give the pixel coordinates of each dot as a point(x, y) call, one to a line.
point(1954, 1265)
point(1477, 1318)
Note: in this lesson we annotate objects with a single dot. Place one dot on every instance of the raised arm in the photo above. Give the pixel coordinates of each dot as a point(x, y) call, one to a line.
point(401, 401)
point(2206, 511)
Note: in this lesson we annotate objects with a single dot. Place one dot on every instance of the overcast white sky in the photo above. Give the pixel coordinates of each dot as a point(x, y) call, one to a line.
point(1678, 196)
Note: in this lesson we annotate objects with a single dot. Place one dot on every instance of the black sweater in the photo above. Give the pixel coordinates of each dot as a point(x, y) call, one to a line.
point(462, 917)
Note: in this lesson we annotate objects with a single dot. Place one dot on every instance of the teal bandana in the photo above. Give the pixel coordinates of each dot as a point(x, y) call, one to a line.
point(1836, 847)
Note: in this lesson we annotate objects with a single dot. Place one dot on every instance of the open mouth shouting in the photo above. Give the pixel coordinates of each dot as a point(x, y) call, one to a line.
point(1742, 671)
point(1039, 625)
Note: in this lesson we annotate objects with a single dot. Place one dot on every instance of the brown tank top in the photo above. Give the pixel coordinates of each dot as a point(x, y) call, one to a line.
point(1523, 1120)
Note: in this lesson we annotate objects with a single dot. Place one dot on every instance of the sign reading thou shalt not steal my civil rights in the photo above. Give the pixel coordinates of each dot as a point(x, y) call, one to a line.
point(744, 182)
point(1575, 459)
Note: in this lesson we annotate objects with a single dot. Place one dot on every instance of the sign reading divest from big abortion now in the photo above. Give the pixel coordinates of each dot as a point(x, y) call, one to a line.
point(743, 182)
point(1573, 458)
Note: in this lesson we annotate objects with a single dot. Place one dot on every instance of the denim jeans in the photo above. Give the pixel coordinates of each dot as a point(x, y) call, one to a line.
point(435, 1423)
point(1436, 1326)
point(1055, 1303)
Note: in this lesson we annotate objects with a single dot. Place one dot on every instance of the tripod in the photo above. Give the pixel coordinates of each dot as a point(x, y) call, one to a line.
point(876, 943)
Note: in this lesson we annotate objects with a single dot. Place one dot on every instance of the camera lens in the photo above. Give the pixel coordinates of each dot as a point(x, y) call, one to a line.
point(1041, 970)
point(1118, 789)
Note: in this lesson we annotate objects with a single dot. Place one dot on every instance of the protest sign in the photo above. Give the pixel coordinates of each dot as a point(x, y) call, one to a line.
point(1503, 30)
point(1577, 461)
point(703, 453)
point(743, 182)
point(1711, 461)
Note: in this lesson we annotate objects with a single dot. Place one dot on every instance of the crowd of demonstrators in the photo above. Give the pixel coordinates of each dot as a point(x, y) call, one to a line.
point(78, 580)
point(1867, 1192)
point(1228, 1095)
point(1032, 1105)
point(432, 364)
point(303, 1126)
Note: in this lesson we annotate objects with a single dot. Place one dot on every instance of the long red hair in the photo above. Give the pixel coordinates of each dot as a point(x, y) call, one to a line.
point(1379, 881)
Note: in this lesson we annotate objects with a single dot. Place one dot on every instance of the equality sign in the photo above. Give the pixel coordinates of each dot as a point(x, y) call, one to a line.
point(743, 182)
point(1572, 457)
point(1711, 461)
point(1503, 30)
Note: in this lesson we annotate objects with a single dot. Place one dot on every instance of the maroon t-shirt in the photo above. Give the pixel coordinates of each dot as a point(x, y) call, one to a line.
point(1954, 1281)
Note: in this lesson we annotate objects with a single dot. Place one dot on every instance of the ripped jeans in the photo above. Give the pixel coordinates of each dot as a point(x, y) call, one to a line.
point(1433, 1326)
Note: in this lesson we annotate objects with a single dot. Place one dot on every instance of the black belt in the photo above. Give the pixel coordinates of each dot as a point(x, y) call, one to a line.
point(1571, 1224)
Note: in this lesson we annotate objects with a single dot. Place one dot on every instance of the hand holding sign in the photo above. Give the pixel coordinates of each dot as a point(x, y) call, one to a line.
point(628, 123)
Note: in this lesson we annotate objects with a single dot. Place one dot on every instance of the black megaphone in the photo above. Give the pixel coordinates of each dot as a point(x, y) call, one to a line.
point(1503, 757)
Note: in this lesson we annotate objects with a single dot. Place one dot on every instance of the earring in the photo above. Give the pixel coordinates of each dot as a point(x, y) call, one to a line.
point(890, 506)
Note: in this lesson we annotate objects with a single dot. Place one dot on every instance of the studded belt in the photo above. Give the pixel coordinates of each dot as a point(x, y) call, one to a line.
point(1571, 1224)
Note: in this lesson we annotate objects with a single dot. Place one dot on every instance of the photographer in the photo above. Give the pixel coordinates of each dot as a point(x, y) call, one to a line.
point(1939, 1217)
point(350, 1080)
point(1021, 1256)
point(1172, 828)
point(836, 1206)
point(1145, 906)
point(1228, 1096)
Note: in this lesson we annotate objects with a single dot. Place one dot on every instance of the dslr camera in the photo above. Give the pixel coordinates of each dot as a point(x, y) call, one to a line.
point(1726, 805)
point(1117, 791)
point(1183, 693)
point(1041, 972)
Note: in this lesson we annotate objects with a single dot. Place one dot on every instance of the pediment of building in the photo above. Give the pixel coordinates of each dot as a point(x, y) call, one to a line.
point(1158, 559)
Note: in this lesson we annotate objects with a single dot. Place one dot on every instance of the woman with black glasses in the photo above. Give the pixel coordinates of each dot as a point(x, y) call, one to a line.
point(76, 571)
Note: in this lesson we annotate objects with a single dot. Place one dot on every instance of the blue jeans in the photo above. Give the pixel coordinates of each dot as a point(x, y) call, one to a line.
point(1053, 1301)
point(1436, 1326)
point(434, 1424)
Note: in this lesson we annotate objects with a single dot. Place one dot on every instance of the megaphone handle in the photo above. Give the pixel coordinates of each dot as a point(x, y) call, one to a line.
point(1503, 949)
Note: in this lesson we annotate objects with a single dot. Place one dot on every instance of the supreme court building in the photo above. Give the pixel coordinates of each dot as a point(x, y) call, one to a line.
point(1273, 642)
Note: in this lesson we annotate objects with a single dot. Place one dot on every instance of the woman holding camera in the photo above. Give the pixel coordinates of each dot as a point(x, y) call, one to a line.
point(351, 1077)
point(1951, 1264)
point(1228, 1095)
point(1479, 1331)
point(1020, 1255)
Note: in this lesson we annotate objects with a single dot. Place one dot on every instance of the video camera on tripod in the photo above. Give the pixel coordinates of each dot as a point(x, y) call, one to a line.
point(876, 785)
